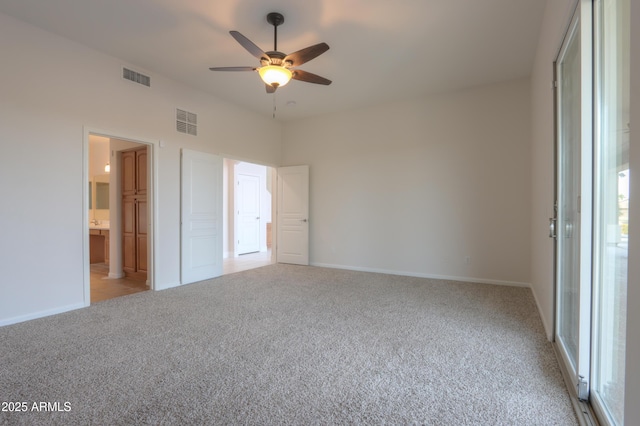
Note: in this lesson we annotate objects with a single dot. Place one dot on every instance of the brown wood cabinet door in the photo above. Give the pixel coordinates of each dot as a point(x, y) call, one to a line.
point(134, 213)
point(141, 171)
point(128, 166)
point(141, 235)
point(129, 235)
point(106, 245)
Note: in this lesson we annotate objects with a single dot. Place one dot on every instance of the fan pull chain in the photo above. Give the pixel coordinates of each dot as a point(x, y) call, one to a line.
point(274, 106)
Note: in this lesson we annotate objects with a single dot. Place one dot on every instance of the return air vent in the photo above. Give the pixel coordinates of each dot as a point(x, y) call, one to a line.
point(186, 122)
point(136, 77)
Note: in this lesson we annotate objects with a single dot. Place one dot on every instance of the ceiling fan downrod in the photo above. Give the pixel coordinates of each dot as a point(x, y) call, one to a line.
point(275, 19)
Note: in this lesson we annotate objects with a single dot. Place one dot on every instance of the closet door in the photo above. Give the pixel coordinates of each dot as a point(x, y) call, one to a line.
point(128, 165)
point(141, 171)
point(141, 235)
point(201, 216)
point(129, 262)
point(134, 213)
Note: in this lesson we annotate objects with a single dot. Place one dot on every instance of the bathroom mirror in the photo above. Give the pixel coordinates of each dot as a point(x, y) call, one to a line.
point(102, 195)
point(99, 197)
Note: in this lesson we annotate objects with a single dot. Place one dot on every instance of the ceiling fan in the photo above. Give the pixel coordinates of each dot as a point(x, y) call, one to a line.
point(276, 67)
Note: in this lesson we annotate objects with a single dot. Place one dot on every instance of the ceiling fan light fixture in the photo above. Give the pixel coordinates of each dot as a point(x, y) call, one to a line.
point(275, 75)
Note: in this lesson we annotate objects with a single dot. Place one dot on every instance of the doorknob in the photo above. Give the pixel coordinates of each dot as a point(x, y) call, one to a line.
point(303, 220)
point(552, 227)
point(258, 218)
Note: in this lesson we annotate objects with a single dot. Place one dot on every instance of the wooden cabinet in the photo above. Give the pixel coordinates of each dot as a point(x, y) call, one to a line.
point(134, 213)
point(99, 246)
point(105, 232)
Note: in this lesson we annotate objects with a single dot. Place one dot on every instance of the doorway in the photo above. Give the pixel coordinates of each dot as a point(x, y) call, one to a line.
point(248, 209)
point(106, 274)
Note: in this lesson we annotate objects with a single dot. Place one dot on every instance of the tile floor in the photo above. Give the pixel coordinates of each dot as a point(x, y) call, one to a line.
point(246, 261)
point(103, 288)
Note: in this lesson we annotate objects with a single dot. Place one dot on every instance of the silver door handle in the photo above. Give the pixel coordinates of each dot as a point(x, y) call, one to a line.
point(552, 227)
point(258, 218)
point(568, 229)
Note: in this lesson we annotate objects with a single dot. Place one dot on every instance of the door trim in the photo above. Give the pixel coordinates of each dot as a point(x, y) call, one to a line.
point(152, 176)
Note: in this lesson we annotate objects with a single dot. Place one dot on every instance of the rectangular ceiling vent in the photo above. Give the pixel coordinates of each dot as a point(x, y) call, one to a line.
point(136, 77)
point(186, 122)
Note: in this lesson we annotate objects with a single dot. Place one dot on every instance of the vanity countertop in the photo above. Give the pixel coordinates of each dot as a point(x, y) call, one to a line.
point(101, 226)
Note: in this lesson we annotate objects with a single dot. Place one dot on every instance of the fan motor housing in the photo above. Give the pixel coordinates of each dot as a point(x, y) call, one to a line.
point(276, 58)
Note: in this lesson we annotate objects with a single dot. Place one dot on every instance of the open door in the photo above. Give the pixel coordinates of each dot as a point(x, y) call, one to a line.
point(293, 215)
point(201, 216)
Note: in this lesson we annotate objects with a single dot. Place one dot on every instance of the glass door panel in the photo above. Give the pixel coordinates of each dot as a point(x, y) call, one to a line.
point(569, 102)
point(574, 206)
point(611, 231)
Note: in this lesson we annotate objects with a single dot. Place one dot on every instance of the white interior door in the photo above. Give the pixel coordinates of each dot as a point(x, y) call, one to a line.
point(247, 213)
point(293, 215)
point(201, 216)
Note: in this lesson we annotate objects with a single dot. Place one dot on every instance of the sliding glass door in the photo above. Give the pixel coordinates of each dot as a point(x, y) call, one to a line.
point(573, 234)
point(592, 203)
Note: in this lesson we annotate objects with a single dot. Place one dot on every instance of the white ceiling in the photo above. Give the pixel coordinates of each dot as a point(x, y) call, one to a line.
point(381, 50)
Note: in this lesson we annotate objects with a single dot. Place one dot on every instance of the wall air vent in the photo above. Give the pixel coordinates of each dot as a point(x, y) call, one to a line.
point(136, 77)
point(186, 122)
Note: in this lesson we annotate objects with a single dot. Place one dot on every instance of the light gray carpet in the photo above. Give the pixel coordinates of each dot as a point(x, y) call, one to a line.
point(287, 344)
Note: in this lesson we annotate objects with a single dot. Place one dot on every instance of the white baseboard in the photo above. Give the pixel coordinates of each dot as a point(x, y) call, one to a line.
point(166, 286)
point(423, 275)
point(41, 314)
point(547, 329)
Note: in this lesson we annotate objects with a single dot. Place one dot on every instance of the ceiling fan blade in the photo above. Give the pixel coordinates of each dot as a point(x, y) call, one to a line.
point(249, 45)
point(305, 55)
point(309, 77)
point(233, 68)
point(270, 88)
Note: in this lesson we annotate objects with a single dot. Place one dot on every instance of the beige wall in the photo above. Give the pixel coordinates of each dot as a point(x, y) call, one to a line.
point(415, 187)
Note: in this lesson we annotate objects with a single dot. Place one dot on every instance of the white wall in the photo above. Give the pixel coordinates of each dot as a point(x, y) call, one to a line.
point(414, 187)
point(556, 20)
point(632, 376)
point(52, 89)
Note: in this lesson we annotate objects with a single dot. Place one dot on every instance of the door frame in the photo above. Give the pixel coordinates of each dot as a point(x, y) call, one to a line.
point(152, 198)
point(228, 203)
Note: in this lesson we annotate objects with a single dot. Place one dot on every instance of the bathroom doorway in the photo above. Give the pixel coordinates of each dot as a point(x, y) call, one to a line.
point(120, 217)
